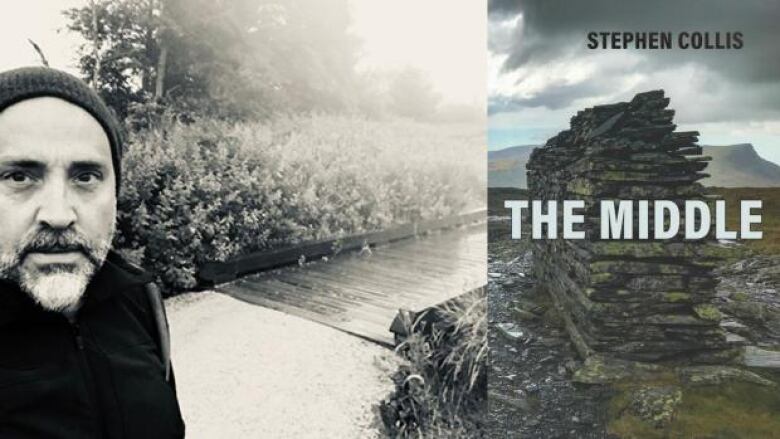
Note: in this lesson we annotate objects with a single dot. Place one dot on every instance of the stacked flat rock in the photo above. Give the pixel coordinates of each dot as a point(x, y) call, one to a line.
point(635, 299)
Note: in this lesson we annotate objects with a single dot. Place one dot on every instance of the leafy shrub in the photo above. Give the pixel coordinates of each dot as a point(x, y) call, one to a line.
point(207, 190)
point(442, 391)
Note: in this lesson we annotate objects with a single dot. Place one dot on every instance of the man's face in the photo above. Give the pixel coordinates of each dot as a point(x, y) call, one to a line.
point(57, 199)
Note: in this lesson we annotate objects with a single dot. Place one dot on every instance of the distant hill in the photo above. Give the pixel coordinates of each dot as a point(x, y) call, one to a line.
point(739, 166)
point(731, 166)
point(506, 167)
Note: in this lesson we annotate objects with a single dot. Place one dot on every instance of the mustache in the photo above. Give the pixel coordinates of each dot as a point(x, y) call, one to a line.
point(58, 241)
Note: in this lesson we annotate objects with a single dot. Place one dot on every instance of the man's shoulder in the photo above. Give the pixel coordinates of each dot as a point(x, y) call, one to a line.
point(123, 263)
point(121, 285)
point(118, 275)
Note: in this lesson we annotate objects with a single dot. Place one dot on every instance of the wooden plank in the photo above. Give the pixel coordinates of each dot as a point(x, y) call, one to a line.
point(290, 295)
point(441, 259)
point(395, 298)
point(368, 275)
point(422, 264)
point(333, 294)
point(358, 291)
point(404, 271)
point(348, 320)
point(250, 296)
point(441, 255)
point(361, 295)
point(219, 272)
point(305, 295)
point(391, 282)
point(414, 257)
point(425, 268)
point(415, 288)
point(369, 333)
point(439, 247)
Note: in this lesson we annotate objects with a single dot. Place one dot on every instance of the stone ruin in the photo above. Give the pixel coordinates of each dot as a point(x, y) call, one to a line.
point(646, 300)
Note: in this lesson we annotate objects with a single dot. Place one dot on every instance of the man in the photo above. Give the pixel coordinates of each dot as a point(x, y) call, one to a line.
point(83, 353)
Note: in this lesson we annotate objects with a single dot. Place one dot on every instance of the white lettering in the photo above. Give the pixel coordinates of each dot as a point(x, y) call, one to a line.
point(617, 225)
point(517, 207)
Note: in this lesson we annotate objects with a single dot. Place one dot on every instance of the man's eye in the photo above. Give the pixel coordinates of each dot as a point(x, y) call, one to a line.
point(89, 177)
point(17, 177)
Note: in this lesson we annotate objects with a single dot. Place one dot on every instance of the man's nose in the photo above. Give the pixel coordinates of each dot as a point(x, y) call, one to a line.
point(56, 207)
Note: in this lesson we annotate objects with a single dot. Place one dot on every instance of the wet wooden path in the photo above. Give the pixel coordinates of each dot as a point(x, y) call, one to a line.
point(361, 292)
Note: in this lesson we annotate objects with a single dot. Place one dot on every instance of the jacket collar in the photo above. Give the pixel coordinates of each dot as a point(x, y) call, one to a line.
point(116, 276)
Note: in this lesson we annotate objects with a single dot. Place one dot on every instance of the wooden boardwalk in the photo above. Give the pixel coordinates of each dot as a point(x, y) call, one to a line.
point(361, 293)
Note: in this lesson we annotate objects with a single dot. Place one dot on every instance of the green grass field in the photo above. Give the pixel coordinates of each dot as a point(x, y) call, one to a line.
point(770, 214)
point(497, 196)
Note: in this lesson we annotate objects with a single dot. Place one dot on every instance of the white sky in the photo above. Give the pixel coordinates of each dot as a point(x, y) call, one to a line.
point(443, 38)
point(38, 20)
point(446, 39)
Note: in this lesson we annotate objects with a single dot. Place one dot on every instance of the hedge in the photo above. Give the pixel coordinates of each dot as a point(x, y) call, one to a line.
point(207, 190)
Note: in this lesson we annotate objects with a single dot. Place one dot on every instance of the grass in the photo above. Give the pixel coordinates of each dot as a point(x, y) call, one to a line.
point(497, 196)
point(442, 391)
point(770, 215)
point(731, 410)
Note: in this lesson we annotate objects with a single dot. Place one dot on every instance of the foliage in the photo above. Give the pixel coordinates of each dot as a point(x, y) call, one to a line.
point(237, 59)
point(443, 390)
point(119, 48)
point(209, 190)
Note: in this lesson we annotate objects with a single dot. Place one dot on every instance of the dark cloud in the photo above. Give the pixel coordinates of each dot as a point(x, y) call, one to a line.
point(549, 22)
point(555, 97)
point(557, 29)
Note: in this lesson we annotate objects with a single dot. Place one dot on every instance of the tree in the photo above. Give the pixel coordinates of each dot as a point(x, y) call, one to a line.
point(240, 58)
point(119, 54)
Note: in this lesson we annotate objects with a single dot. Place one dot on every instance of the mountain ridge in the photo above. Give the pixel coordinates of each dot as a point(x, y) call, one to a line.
point(737, 165)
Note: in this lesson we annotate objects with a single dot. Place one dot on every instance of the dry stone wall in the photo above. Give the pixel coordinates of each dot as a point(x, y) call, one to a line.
point(636, 299)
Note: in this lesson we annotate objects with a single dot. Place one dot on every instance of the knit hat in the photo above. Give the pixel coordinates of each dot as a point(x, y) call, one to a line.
point(32, 82)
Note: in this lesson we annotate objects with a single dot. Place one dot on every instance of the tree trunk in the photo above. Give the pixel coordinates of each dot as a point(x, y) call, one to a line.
point(159, 86)
point(150, 50)
point(162, 60)
point(96, 46)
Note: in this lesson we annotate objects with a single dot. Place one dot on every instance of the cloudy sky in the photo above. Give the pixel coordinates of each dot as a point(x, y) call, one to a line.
point(540, 71)
point(395, 35)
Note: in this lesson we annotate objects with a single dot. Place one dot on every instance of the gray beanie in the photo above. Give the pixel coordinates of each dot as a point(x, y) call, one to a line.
point(32, 82)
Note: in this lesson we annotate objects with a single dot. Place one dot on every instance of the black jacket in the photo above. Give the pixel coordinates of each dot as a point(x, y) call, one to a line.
point(99, 377)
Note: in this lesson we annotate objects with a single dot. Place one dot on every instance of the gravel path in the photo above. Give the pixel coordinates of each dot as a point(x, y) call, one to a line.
point(249, 372)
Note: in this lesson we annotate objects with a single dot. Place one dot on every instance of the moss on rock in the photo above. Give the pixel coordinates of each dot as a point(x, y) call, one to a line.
point(708, 312)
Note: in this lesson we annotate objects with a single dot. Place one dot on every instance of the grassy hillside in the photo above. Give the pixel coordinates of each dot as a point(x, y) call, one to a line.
point(497, 195)
point(770, 212)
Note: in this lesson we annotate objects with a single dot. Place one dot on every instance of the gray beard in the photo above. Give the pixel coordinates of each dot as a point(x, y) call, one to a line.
point(61, 288)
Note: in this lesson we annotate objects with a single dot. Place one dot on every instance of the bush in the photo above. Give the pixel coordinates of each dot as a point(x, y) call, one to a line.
point(442, 391)
point(207, 190)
